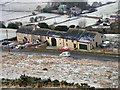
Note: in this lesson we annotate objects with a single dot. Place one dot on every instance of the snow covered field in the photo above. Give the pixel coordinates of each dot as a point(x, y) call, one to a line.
point(113, 37)
point(18, 8)
point(11, 33)
point(58, 19)
point(61, 20)
point(88, 21)
point(105, 10)
point(18, 5)
point(94, 72)
point(68, 21)
point(5, 15)
point(26, 20)
point(14, 5)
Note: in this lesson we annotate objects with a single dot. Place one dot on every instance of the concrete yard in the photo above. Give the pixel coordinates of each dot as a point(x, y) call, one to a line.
point(94, 72)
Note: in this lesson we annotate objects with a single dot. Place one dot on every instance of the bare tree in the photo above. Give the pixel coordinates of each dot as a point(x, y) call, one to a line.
point(32, 19)
point(49, 4)
point(38, 8)
point(82, 23)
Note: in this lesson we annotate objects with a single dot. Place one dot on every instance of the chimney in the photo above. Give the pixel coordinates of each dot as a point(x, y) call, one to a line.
point(34, 27)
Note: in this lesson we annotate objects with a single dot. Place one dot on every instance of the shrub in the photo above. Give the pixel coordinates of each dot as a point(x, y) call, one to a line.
point(64, 83)
point(32, 19)
point(61, 28)
point(56, 82)
point(43, 25)
point(77, 26)
point(12, 25)
point(18, 23)
point(38, 8)
point(2, 25)
point(72, 26)
point(114, 26)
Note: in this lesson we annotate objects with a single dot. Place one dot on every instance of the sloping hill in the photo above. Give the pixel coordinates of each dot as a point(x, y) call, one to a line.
point(24, 5)
point(105, 10)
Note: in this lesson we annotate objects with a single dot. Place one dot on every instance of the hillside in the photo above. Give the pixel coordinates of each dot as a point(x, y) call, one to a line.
point(105, 10)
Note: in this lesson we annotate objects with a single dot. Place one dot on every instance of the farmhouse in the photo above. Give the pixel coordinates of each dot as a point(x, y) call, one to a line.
point(73, 38)
point(31, 34)
point(24, 34)
point(82, 39)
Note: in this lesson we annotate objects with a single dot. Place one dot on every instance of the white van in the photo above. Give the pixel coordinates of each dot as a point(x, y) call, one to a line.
point(66, 54)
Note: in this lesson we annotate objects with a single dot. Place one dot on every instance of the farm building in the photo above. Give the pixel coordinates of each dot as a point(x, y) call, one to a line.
point(73, 38)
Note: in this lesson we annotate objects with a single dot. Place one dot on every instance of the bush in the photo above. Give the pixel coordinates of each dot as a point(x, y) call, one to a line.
point(46, 10)
point(2, 25)
point(25, 81)
point(114, 26)
point(38, 8)
point(12, 25)
point(77, 26)
point(19, 23)
point(56, 82)
point(61, 28)
point(64, 83)
point(33, 13)
point(43, 25)
point(32, 20)
point(72, 26)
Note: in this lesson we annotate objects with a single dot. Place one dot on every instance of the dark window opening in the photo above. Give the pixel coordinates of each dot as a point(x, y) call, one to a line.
point(53, 41)
point(74, 45)
point(96, 44)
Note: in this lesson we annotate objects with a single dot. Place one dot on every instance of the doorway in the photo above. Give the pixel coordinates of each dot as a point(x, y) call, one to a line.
point(53, 42)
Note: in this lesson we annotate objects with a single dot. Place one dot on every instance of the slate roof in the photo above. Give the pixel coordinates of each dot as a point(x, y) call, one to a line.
point(48, 32)
point(25, 29)
point(73, 34)
point(87, 36)
point(56, 33)
point(41, 31)
point(80, 35)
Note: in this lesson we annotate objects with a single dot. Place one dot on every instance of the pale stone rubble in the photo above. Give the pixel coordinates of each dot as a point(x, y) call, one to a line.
point(94, 72)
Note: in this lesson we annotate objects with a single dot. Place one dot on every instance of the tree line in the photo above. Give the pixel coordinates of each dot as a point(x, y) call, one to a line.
point(114, 27)
point(11, 25)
